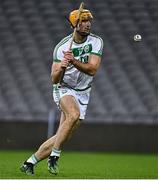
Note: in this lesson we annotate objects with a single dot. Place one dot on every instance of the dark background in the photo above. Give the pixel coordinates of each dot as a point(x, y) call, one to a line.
point(123, 110)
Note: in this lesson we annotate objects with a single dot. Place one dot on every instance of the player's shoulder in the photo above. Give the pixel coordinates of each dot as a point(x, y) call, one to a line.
point(64, 41)
point(61, 46)
point(96, 40)
point(95, 37)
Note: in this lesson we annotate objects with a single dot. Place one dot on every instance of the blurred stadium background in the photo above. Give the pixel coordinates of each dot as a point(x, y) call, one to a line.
point(123, 110)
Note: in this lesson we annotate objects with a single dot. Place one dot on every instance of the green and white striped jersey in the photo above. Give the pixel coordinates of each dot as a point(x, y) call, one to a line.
point(73, 77)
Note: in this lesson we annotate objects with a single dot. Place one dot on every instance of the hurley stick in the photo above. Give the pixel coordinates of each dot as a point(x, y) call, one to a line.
point(73, 36)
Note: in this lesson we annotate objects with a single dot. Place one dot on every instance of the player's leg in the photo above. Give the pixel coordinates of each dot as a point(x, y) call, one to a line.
point(42, 153)
point(46, 148)
point(72, 113)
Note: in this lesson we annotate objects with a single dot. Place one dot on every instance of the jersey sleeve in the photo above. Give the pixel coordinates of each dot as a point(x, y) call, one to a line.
point(97, 47)
point(57, 54)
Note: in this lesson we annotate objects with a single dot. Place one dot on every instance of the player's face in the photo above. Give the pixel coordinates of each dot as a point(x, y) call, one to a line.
point(85, 27)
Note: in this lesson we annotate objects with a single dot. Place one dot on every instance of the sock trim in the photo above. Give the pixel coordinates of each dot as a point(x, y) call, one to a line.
point(55, 152)
point(33, 159)
point(36, 159)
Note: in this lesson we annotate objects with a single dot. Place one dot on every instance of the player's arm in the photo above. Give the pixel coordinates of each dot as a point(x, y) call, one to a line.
point(59, 62)
point(56, 70)
point(89, 68)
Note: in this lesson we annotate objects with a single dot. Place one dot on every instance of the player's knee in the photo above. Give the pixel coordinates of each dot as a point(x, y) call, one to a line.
point(74, 116)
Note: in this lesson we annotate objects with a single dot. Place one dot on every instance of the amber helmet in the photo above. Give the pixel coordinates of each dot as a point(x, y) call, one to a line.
point(85, 15)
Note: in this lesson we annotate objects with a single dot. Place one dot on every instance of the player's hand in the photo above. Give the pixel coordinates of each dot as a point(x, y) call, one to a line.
point(69, 56)
point(65, 63)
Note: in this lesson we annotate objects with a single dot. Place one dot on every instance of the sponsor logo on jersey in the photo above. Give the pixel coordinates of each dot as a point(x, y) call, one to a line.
point(82, 50)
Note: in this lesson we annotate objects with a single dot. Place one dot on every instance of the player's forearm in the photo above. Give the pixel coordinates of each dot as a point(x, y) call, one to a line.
point(84, 67)
point(55, 76)
point(57, 69)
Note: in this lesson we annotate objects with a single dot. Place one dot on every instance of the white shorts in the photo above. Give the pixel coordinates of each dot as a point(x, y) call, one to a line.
point(82, 97)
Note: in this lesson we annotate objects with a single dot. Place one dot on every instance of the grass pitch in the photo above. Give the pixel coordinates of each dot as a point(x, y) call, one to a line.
point(77, 165)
